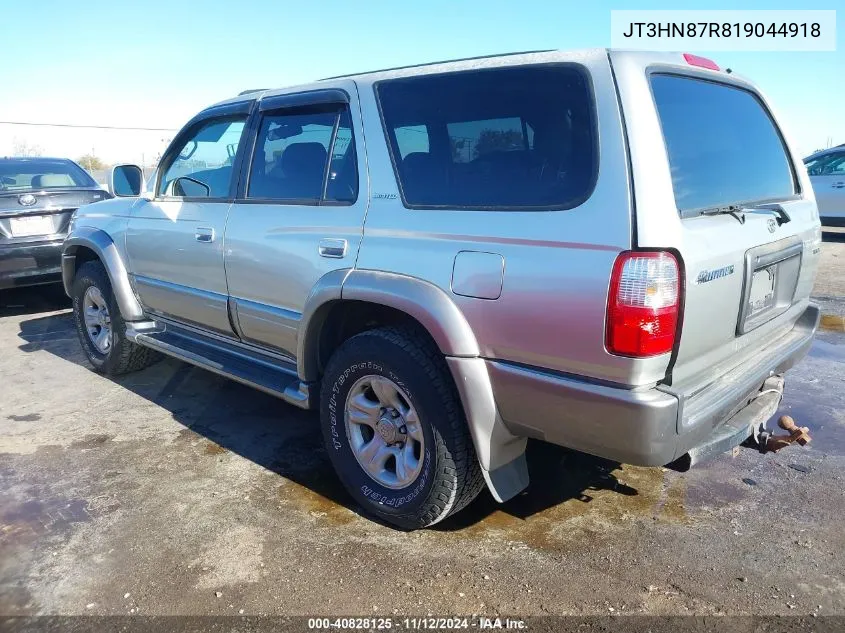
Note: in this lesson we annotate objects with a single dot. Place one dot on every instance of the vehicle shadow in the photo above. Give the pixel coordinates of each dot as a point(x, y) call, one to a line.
point(33, 299)
point(288, 441)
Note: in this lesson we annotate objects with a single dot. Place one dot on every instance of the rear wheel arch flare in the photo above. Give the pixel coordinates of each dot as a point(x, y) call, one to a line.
point(384, 298)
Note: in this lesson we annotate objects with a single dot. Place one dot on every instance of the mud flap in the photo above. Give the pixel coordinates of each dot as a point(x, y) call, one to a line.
point(501, 454)
point(505, 482)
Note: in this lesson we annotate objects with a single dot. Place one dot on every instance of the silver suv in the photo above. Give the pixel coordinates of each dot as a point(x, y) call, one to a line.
point(610, 251)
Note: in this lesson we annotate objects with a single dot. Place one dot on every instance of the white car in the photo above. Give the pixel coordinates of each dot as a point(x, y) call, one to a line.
point(827, 173)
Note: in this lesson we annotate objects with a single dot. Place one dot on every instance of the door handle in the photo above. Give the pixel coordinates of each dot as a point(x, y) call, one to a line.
point(838, 185)
point(204, 234)
point(332, 248)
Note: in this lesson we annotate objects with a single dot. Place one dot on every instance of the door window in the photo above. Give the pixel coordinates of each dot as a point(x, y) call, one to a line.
point(306, 157)
point(827, 165)
point(204, 165)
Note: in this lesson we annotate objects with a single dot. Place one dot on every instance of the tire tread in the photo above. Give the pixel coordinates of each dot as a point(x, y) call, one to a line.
point(458, 478)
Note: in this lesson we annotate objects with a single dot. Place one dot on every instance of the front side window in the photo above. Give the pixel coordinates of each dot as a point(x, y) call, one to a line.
point(723, 146)
point(305, 155)
point(828, 165)
point(205, 162)
point(511, 138)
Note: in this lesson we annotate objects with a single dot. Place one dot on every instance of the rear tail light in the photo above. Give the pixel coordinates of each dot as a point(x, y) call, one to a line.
point(701, 62)
point(643, 305)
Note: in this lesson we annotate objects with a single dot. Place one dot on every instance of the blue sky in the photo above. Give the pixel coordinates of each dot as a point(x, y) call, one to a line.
point(155, 63)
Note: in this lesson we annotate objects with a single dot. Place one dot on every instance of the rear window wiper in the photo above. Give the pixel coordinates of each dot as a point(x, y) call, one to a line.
point(738, 211)
point(732, 209)
point(774, 207)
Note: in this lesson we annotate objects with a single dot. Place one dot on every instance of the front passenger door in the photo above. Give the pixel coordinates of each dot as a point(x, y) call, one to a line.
point(175, 240)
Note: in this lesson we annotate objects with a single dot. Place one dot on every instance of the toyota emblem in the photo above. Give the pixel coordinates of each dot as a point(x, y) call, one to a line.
point(27, 200)
point(772, 224)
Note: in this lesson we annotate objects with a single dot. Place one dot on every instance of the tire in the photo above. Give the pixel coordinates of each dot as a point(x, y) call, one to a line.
point(121, 355)
point(449, 475)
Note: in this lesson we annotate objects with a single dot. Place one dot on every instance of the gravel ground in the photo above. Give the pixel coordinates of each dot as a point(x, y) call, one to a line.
point(173, 491)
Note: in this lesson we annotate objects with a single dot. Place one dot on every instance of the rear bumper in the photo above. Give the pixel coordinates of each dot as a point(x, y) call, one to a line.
point(30, 264)
point(652, 426)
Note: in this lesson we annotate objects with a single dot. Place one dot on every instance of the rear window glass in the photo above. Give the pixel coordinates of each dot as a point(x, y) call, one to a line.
point(510, 138)
point(37, 174)
point(723, 146)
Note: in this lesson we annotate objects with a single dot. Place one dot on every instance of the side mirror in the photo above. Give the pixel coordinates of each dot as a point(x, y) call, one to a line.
point(125, 181)
point(187, 187)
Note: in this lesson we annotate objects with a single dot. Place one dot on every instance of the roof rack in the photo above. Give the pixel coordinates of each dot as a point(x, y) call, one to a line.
point(248, 92)
point(445, 61)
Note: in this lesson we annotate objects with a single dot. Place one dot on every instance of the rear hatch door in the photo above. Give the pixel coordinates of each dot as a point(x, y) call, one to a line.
point(715, 179)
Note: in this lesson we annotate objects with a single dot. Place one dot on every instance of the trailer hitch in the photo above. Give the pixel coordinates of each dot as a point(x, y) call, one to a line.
point(768, 442)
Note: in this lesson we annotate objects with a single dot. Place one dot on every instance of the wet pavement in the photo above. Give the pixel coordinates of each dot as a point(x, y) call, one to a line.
point(174, 491)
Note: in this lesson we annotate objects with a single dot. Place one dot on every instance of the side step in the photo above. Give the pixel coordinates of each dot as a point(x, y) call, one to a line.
point(267, 373)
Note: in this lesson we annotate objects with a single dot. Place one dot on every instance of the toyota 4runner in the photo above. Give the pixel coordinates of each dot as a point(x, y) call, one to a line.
point(609, 251)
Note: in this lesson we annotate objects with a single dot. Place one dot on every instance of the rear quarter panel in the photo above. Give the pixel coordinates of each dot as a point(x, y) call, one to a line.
point(551, 310)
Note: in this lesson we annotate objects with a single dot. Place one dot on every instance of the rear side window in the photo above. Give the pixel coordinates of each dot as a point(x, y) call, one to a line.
point(723, 145)
point(510, 138)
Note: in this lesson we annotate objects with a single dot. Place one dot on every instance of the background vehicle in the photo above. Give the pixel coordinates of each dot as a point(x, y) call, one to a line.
point(37, 198)
point(827, 173)
point(469, 277)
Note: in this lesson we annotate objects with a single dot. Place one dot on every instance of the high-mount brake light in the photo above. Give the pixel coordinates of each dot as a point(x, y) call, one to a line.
point(701, 62)
point(644, 303)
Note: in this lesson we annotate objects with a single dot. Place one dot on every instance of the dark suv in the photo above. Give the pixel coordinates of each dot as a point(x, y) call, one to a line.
point(37, 198)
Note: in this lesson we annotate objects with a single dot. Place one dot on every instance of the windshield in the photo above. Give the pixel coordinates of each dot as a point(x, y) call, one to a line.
point(724, 148)
point(38, 174)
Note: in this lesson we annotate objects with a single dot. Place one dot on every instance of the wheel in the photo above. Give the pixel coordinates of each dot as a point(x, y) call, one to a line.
point(395, 430)
point(101, 328)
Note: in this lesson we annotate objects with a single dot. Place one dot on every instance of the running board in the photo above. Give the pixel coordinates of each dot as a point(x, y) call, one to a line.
point(250, 367)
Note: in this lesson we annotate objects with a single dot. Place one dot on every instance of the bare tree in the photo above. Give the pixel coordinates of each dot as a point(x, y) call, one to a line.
point(91, 162)
point(21, 148)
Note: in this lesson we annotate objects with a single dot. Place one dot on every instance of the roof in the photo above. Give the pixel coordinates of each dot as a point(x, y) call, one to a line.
point(828, 150)
point(34, 158)
point(468, 63)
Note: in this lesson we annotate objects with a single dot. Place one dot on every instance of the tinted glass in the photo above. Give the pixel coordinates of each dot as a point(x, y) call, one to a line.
point(37, 174)
point(411, 138)
point(510, 138)
point(342, 185)
point(292, 154)
point(723, 146)
point(207, 159)
point(828, 165)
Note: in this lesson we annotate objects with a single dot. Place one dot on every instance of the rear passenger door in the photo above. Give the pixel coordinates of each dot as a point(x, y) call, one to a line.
point(298, 214)
point(175, 240)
